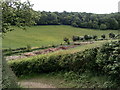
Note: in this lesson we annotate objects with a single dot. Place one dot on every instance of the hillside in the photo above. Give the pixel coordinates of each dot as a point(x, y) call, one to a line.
point(46, 35)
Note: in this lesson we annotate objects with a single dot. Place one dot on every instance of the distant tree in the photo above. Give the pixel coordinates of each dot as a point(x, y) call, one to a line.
point(94, 37)
point(86, 37)
point(66, 40)
point(74, 24)
point(111, 35)
point(113, 23)
point(75, 38)
point(95, 25)
point(103, 27)
point(103, 36)
point(90, 24)
point(81, 38)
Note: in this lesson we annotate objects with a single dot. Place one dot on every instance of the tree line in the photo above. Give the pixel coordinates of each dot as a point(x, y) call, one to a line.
point(82, 20)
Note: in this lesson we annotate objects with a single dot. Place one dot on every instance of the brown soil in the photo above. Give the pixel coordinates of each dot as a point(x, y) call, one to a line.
point(45, 51)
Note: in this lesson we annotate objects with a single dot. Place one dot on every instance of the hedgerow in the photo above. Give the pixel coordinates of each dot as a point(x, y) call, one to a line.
point(104, 60)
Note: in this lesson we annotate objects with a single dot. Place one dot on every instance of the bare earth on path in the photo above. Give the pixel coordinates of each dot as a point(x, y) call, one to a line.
point(28, 84)
point(45, 51)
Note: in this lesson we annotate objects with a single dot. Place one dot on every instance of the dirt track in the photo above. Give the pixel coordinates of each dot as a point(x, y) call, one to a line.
point(28, 84)
point(45, 51)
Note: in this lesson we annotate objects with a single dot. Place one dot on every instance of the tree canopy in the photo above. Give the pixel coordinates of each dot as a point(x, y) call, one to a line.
point(16, 13)
point(82, 20)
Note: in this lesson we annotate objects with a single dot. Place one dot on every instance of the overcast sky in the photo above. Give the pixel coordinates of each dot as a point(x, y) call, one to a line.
point(93, 6)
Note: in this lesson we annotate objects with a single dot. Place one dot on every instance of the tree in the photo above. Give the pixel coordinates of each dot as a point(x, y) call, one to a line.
point(95, 25)
point(111, 35)
point(67, 40)
point(20, 14)
point(103, 36)
point(75, 38)
point(103, 27)
point(113, 23)
point(94, 37)
point(17, 13)
point(87, 37)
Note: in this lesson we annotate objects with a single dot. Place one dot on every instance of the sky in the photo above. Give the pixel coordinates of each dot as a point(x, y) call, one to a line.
point(89, 6)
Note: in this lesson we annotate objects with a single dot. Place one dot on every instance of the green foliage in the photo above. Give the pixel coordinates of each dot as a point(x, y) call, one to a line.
point(103, 60)
point(103, 27)
point(75, 38)
point(9, 80)
point(108, 59)
point(87, 37)
point(95, 37)
point(82, 20)
point(103, 36)
point(66, 40)
point(111, 35)
point(17, 13)
point(28, 48)
point(42, 64)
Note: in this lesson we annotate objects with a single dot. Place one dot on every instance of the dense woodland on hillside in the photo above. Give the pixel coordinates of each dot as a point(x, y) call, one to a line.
point(82, 20)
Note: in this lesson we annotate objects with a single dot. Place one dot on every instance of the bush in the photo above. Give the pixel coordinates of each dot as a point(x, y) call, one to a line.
point(111, 35)
point(66, 40)
point(9, 80)
point(75, 38)
point(28, 48)
point(87, 37)
point(108, 59)
point(103, 36)
point(95, 37)
point(51, 63)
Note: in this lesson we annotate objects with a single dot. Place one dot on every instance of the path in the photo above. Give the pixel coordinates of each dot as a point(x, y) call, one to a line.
point(28, 84)
point(45, 51)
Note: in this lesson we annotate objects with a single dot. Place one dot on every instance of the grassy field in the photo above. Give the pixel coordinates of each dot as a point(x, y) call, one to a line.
point(46, 35)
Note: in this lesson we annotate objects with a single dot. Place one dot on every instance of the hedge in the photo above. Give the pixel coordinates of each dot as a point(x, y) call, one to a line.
point(52, 63)
point(104, 60)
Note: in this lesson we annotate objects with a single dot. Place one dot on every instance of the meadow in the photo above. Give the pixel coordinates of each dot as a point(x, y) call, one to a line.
point(37, 36)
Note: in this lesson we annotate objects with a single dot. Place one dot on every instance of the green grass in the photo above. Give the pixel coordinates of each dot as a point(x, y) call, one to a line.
point(69, 80)
point(46, 35)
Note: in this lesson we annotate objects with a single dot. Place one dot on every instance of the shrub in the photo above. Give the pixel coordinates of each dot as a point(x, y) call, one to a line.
point(52, 63)
point(66, 40)
point(75, 38)
point(28, 48)
point(95, 37)
point(87, 37)
point(108, 59)
point(9, 80)
point(103, 36)
point(111, 35)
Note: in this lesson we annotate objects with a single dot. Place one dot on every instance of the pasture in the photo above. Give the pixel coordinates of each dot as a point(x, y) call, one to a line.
point(36, 36)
